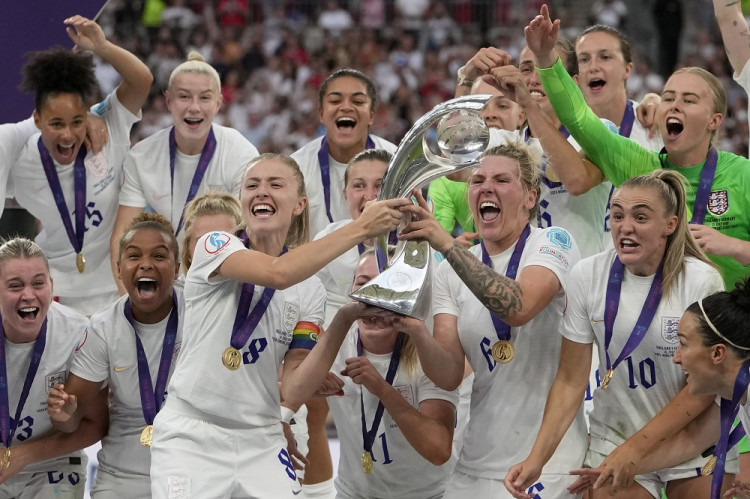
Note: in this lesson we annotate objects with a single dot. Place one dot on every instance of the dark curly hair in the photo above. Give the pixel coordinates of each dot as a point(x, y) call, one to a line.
point(59, 71)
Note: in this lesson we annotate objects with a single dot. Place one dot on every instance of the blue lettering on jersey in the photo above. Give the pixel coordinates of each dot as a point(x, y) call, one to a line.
point(253, 350)
point(24, 429)
point(285, 460)
point(543, 218)
point(535, 489)
point(560, 237)
point(486, 347)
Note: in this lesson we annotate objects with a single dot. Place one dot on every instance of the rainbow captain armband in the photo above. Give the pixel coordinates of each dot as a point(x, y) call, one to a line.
point(305, 335)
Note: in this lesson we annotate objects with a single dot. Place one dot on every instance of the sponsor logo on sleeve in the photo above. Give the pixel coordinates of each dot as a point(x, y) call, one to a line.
point(556, 253)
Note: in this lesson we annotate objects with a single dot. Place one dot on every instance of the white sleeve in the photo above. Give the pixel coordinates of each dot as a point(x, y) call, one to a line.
point(131, 193)
point(445, 287)
point(91, 358)
point(429, 391)
point(210, 252)
point(13, 137)
point(557, 251)
point(576, 323)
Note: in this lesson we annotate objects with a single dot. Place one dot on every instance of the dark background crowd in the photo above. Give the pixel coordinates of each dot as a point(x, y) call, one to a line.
point(273, 54)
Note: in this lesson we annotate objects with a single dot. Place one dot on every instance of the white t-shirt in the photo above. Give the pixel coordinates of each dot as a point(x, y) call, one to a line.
point(103, 180)
point(147, 177)
point(507, 400)
point(398, 471)
point(249, 396)
point(108, 355)
point(64, 331)
point(644, 382)
point(307, 158)
point(13, 136)
point(582, 216)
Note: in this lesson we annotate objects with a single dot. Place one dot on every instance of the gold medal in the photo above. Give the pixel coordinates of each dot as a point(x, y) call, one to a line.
point(708, 468)
point(607, 378)
point(231, 359)
point(5, 459)
point(503, 351)
point(80, 263)
point(367, 462)
point(147, 436)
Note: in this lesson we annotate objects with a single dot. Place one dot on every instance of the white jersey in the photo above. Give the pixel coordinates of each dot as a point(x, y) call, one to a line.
point(248, 396)
point(108, 355)
point(64, 330)
point(307, 158)
point(644, 382)
point(148, 180)
point(398, 471)
point(338, 275)
point(507, 400)
point(103, 179)
point(743, 80)
point(13, 136)
point(582, 216)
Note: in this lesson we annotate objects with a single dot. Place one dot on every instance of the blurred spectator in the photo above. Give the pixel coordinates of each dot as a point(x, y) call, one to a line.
point(334, 19)
point(609, 12)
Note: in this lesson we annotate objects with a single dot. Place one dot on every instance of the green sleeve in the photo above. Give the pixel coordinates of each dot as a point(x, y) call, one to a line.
point(442, 202)
point(619, 158)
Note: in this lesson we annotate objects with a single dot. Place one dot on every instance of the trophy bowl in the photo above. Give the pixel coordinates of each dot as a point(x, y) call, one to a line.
point(462, 136)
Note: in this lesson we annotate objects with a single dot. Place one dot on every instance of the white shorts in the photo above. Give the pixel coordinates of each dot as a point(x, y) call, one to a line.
point(549, 486)
point(192, 457)
point(657, 480)
point(109, 486)
point(67, 484)
point(301, 436)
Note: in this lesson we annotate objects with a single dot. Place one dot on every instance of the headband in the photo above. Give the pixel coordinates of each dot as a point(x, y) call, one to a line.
point(713, 328)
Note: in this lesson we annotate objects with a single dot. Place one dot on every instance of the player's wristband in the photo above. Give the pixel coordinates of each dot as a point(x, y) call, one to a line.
point(286, 415)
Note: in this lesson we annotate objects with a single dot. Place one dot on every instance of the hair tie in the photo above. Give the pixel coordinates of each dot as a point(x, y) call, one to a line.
point(713, 328)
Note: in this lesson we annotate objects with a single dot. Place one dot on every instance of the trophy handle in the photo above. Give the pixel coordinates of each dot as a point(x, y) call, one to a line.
point(404, 282)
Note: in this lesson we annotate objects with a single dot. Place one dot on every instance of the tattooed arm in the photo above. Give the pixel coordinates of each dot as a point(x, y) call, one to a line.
point(514, 301)
point(734, 32)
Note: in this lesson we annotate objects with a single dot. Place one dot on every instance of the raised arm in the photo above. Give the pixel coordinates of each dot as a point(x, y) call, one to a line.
point(564, 163)
point(515, 301)
point(136, 77)
point(564, 399)
point(302, 262)
point(478, 66)
point(734, 32)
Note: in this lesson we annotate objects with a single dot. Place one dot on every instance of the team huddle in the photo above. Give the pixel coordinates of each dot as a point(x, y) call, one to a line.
point(187, 301)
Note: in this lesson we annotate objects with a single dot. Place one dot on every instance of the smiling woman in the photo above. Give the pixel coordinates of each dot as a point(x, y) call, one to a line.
point(131, 349)
point(692, 109)
point(347, 101)
point(37, 339)
point(193, 155)
point(71, 190)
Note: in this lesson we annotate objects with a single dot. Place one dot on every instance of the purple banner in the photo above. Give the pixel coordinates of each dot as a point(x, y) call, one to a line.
point(32, 25)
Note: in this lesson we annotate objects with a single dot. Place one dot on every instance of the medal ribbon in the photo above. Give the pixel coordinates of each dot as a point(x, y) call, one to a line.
point(6, 429)
point(200, 171)
point(729, 410)
point(628, 118)
point(614, 284)
point(501, 328)
point(708, 172)
point(368, 437)
point(325, 170)
point(152, 397)
point(244, 323)
point(79, 189)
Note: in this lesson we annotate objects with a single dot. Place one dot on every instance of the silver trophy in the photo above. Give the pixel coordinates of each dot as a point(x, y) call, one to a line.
point(462, 136)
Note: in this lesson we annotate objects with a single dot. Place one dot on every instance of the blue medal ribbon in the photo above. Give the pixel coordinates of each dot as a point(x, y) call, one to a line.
point(708, 172)
point(325, 171)
point(244, 323)
point(628, 118)
point(153, 397)
point(727, 440)
point(368, 436)
point(501, 328)
point(7, 430)
point(79, 189)
point(614, 285)
point(200, 171)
